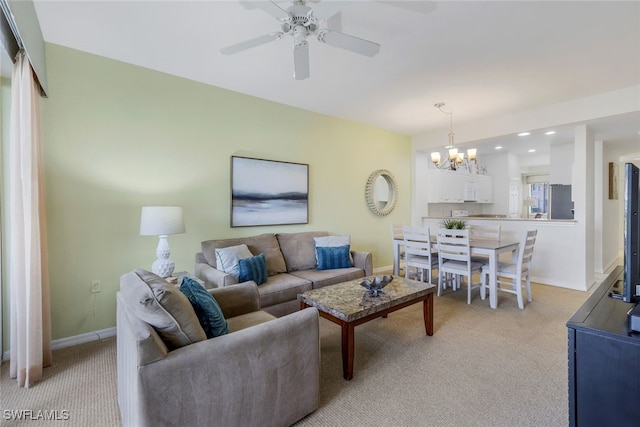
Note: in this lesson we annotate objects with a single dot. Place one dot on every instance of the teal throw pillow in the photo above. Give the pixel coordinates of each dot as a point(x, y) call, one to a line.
point(333, 257)
point(206, 307)
point(253, 268)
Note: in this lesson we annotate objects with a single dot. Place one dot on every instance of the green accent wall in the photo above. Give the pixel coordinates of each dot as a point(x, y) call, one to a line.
point(118, 137)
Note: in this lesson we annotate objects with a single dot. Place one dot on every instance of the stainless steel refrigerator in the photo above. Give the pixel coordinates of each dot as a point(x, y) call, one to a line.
point(560, 204)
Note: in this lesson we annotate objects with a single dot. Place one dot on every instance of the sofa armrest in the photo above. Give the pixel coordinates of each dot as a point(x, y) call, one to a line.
point(363, 260)
point(214, 379)
point(238, 299)
point(212, 277)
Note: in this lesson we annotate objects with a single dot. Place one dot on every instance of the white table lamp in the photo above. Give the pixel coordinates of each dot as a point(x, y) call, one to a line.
point(161, 221)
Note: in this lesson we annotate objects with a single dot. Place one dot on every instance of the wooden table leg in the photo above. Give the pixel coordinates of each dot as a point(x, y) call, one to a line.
point(427, 311)
point(347, 350)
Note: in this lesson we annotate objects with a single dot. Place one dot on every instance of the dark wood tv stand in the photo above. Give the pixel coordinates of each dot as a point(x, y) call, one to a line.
point(604, 362)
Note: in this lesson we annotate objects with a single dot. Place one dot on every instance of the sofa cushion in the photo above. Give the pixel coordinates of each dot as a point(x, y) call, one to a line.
point(249, 319)
point(206, 308)
point(333, 257)
point(282, 287)
point(160, 304)
point(227, 258)
point(299, 249)
point(321, 278)
point(264, 243)
point(253, 268)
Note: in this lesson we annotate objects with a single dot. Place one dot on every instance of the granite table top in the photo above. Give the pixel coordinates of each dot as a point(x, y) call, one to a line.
point(350, 301)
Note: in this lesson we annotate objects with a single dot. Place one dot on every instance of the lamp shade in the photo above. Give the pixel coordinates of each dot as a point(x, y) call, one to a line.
point(161, 220)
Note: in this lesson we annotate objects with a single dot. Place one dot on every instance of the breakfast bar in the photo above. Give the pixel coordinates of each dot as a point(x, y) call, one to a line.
point(554, 252)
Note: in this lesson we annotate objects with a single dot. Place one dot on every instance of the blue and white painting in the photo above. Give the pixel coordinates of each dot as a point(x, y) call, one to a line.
point(267, 192)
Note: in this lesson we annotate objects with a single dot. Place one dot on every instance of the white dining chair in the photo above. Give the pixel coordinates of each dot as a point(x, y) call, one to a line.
point(454, 257)
point(396, 233)
point(484, 232)
point(419, 252)
point(518, 273)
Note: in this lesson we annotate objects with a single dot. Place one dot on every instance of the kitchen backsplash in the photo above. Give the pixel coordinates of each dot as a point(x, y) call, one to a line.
point(444, 209)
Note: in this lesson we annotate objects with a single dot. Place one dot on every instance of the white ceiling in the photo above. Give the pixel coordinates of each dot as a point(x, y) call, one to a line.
point(482, 58)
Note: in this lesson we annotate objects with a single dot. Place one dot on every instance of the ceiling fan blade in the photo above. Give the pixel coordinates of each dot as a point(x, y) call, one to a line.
point(334, 23)
point(248, 44)
point(351, 43)
point(249, 5)
point(301, 61)
point(326, 9)
point(268, 6)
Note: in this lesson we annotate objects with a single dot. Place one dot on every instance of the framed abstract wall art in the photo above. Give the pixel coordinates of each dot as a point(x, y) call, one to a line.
point(268, 192)
point(613, 181)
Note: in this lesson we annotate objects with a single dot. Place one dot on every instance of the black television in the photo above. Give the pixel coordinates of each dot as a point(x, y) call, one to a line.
point(631, 280)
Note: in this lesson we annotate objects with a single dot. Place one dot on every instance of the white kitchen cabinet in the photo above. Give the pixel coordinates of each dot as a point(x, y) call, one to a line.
point(514, 198)
point(456, 187)
point(445, 187)
point(485, 186)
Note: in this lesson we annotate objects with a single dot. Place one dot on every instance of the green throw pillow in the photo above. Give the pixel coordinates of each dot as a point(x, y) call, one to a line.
point(206, 307)
point(333, 257)
point(253, 268)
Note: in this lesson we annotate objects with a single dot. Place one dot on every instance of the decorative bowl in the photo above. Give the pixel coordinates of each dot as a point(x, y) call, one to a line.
point(375, 284)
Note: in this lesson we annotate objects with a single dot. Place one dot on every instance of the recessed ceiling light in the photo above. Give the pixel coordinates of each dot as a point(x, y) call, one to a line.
point(532, 150)
point(524, 134)
point(551, 132)
point(499, 147)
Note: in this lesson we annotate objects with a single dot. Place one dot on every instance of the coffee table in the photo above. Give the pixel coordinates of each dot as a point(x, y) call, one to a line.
point(348, 305)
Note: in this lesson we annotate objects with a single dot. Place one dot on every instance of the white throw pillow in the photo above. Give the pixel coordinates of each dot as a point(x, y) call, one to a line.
point(332, 241)
point(227, 258)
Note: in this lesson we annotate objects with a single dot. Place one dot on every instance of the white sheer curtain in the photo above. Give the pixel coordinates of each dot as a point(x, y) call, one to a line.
point(28, 275)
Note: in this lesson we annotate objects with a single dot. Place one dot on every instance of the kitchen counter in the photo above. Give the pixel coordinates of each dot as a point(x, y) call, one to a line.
point(499, 218)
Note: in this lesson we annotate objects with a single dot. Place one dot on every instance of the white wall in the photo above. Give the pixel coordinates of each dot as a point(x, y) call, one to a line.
point(495, 164)
point(583, 197)
point(609, 223)
point(561, 164)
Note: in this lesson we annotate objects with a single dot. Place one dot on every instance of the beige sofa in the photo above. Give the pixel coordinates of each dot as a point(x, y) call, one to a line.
point(264, 372)
point(291, 265)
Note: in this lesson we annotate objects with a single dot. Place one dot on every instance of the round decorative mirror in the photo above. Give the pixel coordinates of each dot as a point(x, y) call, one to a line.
point(381, 192)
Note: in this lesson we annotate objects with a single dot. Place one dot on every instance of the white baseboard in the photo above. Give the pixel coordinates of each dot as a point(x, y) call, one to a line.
point(75, 340)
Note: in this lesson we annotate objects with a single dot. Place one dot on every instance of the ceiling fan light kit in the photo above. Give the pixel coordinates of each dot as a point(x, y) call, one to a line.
point(300, 21)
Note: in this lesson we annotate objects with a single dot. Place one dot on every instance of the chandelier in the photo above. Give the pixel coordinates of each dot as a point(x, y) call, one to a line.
point(453, 159)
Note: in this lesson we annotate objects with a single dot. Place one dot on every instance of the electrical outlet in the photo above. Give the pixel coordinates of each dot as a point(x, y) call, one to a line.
point(96, 286)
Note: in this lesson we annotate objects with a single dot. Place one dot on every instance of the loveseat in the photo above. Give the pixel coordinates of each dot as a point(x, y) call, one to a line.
point(264, 372)
point(291, 266)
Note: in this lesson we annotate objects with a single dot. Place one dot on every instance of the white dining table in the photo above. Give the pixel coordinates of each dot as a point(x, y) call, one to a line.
point(491, 248)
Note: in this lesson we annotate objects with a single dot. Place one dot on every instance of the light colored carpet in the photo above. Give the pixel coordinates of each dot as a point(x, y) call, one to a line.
point(482, 367)
point(81, 381)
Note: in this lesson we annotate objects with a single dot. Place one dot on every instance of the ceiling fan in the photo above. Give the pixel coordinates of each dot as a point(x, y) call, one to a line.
point(301, 21)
